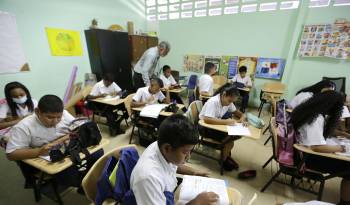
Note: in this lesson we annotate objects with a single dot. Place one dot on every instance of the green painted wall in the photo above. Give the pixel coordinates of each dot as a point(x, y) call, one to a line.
point(264, 34)
point(50, 74)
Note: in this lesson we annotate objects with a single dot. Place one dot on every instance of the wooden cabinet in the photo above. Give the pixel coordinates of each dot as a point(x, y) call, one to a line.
point(139, 44)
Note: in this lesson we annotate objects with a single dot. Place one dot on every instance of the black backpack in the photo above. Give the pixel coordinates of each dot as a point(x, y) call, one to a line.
point(84, 135)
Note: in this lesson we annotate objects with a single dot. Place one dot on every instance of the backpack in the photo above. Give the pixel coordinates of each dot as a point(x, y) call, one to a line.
point(286, 135)
point(255, 120)
point(85, 133)
point(121, 192)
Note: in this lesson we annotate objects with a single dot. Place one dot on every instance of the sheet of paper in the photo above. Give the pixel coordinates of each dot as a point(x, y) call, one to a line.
point(238, 130)
point(191, 186)
point(345, 113)
point(152, 111)
point(309, 203)
point(46, 157)
point(110, 98)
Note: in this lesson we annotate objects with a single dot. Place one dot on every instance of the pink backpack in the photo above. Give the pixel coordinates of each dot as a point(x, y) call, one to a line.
point(286, 135)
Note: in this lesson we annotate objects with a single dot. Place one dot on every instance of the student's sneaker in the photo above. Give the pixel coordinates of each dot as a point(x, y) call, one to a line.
point(230, 164)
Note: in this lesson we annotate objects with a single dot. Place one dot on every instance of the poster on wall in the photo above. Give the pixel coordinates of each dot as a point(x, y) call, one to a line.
point(193, 63)
point(249, 62)
point(330, 40)
point(228, 66)
point(270, 68)
point(12, 58)
point(64, 42)
point(216, 60)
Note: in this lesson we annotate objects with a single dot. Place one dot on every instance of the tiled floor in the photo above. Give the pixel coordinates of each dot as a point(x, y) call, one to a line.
point(251, 154)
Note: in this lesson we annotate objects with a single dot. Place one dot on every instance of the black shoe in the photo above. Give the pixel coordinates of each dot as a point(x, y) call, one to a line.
point(81, 191)
point(230, 164)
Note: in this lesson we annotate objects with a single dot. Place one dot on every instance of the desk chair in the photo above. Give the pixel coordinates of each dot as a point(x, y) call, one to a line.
point(339, 83)
point(193, 115)
point(89, 182)
point(191, 87)
point(176, 75)
point(264, 95)
point(308, 179)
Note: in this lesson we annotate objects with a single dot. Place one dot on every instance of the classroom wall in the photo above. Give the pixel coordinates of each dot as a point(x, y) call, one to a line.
point(263, 34)
point(50, 74)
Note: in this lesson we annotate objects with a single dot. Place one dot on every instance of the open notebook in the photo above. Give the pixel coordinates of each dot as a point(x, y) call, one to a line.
point(345, 113)
point(152, 111)
point(191, 186)
point(238, 130)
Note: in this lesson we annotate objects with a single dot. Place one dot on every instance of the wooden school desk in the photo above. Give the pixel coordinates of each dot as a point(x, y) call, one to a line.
point(56, 167)
point(307, 150)
point(255, 132)
point(176, 90)
point(108, 101)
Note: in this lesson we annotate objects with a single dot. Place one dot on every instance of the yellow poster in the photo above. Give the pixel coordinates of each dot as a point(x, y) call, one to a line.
point(64, 42)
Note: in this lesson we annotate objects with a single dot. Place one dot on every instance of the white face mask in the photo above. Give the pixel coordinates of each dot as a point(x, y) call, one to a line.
point(20, 100)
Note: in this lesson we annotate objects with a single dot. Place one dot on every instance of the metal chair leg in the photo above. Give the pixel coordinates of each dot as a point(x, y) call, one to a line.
point(267, 162)
point(260, 108)
point(55, 190)
point(132, 134)
point(268, 139)
point(271, 180)
point(320, 191)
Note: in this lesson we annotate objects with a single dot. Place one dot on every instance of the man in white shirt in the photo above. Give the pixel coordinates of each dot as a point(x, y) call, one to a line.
point(206, 82)
point(106, 87)
point(39, 133)
point(153, 179)
point(145, 67)
point(150, 95)
point(243, 80)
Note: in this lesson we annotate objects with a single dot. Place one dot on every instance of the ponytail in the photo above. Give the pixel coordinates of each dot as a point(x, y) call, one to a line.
point(228, 89)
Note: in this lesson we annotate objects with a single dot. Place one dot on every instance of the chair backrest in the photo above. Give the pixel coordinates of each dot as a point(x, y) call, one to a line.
point(252, 200)
point(176, 75)
point(192, 82)
point(89, 182)
point(127, 103)
point(193, 111)
point(339, 83)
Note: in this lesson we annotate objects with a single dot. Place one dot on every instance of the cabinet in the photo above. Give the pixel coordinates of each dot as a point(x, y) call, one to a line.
point(139, 44)
point(109, 52)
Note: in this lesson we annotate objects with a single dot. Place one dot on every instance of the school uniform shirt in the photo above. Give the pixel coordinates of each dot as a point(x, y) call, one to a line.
point(246, 80)
point(152, 176)
point(213, 108)
point(167, 81)
point(143, 94)
point(147, 64)
point(100, 88)
point(312, 134)
point(5, 110)
point(300, 98)
point(31, 133)
point(206, 84)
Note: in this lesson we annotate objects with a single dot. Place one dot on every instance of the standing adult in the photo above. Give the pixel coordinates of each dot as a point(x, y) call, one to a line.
point(145, 67)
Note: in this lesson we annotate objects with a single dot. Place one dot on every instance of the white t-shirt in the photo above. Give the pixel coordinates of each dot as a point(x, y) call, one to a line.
point(206, 84)
point(143, 94)
point(167, 81)
point(312, 134)
point(21, 112)
point(30, 132)
point(300, 98)
point(100, 88)
point(152, 176)
point(246, 80)
point(214, 109)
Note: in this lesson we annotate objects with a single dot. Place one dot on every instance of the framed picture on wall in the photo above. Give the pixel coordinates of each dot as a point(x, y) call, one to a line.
point(193, 63)
point(216, 60)
point(228, 66)
point(270, 68)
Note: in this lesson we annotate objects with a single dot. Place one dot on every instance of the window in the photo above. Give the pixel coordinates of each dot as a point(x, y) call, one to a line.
point(186, 6)
point(215, 2)
point(162, 17)
point(341, 3)
point(151, 10)
point(162, 1)
point(151, 18)
point(319, 3)
point(175, 15)
point(268, 6)
point(215, 12)
point(150, 2)
point(289, 5)
point(200, 13)
point(231, 10)
point(174, 7)
point(248, 8)
point(200, 4)
point(186, 14)
point(228, 2)
point(162, 9)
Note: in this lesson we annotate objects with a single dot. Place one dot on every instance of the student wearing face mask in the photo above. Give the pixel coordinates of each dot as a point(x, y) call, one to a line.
point(18, 105)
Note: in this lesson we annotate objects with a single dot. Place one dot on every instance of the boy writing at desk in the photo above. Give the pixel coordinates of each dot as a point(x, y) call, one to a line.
point(37, 134)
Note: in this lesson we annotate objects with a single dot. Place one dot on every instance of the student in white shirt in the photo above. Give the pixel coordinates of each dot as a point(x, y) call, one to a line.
point(316, 120)
point(219, 110)
point(101, 89)
point(168, 80)
point(153, 179)
point(306, 93)
point(243, 79)
point(145, 67)
point(170, 83)
point(37, 134)
point(105, 87)
point(206, 82)
point(18, 105)
point(150, 95)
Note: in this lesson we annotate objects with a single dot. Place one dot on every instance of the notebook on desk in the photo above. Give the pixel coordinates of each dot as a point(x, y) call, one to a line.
point(152, 111)
point(238, 130)
point(191, 186)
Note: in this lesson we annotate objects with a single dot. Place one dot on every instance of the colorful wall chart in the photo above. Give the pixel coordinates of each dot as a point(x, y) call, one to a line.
point(193, 63)
point(216, 60)
point(249, 62)
point(228, 66)
point(271, 68)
